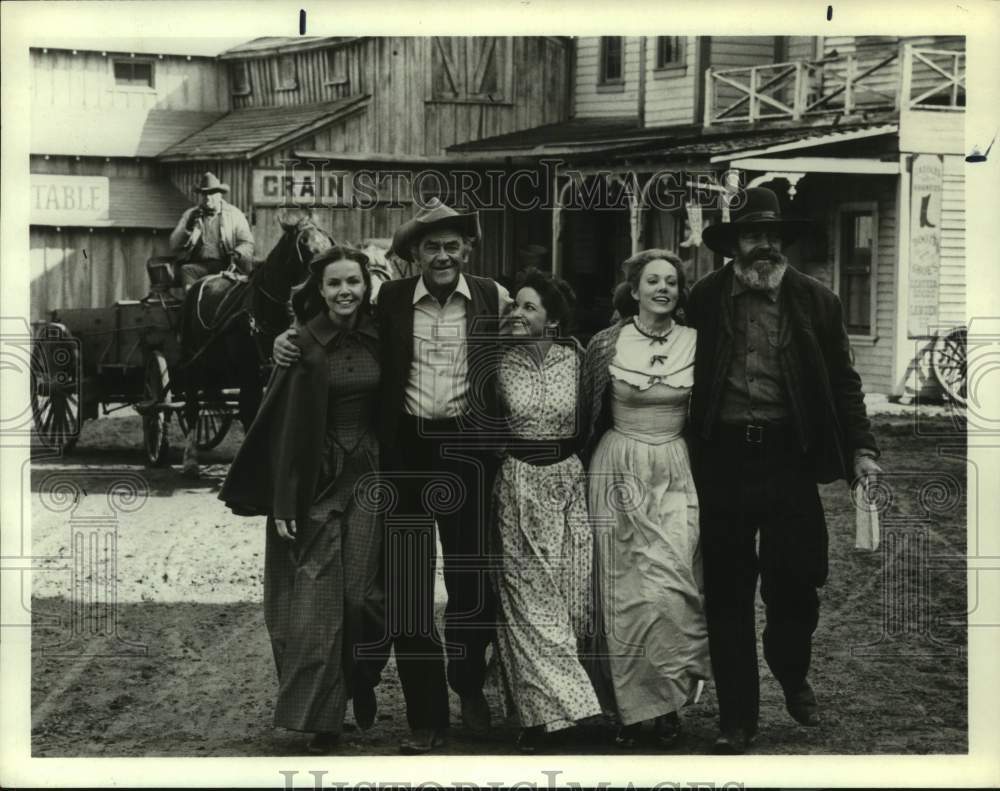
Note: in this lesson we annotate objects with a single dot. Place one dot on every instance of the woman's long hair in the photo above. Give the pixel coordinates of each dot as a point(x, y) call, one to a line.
point(625, 303)
point(307, 302)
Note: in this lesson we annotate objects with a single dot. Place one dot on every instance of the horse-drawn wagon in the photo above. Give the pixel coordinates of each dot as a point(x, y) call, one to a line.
point(201, 358)
point(91, 361)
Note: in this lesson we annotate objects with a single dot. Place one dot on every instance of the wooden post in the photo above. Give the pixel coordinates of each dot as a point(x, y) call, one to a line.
point(801, 89)
point(903, 348)
point(754, 108)
point(556, 224)
point(709, 98)
point(954, 77)
point(634, 212)
point(641, 97)
point(849, 86)
point(906, 78)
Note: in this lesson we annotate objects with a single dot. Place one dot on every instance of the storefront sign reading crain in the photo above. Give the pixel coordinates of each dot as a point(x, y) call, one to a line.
point(925, 244)
point(70, 200)
point(321, 187)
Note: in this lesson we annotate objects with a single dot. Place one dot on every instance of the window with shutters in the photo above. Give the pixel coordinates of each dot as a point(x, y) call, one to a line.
point(288, 78)
point(612, 56)
point(669, 51)
point(239, 78)
point(857, 253)
point(472, 69)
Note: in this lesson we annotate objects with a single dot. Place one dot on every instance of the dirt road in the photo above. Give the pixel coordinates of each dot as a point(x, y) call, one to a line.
point(181, 664)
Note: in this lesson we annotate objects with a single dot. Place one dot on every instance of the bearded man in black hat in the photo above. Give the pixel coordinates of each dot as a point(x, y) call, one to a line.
point(440, 430)
point(212, 235)
point(777, 408)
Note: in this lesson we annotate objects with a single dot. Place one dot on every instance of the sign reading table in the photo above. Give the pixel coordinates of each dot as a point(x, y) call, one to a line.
point(70, 200)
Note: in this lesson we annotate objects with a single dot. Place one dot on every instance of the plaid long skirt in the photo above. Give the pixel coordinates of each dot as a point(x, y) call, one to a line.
point(324, 601)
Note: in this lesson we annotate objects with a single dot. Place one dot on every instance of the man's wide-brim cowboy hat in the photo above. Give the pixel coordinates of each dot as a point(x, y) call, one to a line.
point(435, 216)
point(756, 209)
point(210, 183)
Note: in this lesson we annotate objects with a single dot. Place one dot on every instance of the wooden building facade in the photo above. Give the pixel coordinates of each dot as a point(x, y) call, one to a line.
point(837, 126)
point(386, 105)
point(101, 204)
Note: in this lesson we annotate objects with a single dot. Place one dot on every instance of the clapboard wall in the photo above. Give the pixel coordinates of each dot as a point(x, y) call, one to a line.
point(60, 78)
point(81, 268)
point(951, 295)
point(591, 99)
point(672, 93)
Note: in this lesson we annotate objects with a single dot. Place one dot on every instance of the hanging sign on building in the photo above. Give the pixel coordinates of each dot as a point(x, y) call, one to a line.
point(70, 200)
point(926, 188)
point(322, 187)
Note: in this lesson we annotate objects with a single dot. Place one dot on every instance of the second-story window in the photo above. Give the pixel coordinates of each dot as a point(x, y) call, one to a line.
point(133, 73)
point(288, 79)
point(611, 59)
point(336, 67)
point(669, 51)
point(239, 78)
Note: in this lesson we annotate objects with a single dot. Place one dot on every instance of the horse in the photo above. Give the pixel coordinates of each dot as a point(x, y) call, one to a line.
point(229, 323)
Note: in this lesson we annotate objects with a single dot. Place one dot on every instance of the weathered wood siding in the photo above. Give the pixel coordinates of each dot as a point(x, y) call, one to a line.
point(404, 118)
point(74, 268)
point(953, 269)
point(323, 75)
point(801, 48)
point(86, 80)
point(236, 173)
point(590, 101)
point(733, 52)
point(671, 94)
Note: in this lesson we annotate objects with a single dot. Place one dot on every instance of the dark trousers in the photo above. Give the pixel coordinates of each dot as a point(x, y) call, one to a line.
point(746, 489)
point(436, 474)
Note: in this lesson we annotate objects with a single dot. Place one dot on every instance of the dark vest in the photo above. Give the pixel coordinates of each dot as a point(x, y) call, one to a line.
point(395, 318)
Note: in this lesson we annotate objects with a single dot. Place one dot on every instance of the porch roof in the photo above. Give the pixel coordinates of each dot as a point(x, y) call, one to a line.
point(621, 140)
point(573, 136)
point(251, 131)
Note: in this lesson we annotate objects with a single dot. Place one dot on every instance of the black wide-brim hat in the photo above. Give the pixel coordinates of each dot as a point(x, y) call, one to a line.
point(433, 217)
point(759, 211)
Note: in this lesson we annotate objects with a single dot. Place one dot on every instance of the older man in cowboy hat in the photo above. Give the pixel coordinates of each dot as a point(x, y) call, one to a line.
point(440, 431)
point(212, 235)
point(777, 407)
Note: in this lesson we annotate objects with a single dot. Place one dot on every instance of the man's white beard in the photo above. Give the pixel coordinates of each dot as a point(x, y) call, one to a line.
point(761, 274)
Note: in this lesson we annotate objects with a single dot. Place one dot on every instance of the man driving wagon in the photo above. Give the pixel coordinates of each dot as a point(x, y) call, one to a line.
point(211, 236)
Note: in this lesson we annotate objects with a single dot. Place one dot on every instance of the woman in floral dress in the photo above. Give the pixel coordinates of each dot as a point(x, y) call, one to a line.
point(544, 536)
point(651, 649)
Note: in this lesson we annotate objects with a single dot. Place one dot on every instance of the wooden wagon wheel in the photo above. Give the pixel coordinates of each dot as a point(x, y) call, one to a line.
point(948, 362)
point(155, 415)
point(213, 425)
point(55, 388)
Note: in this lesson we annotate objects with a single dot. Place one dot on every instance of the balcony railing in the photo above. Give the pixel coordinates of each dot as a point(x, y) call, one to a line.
point(928, 79)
